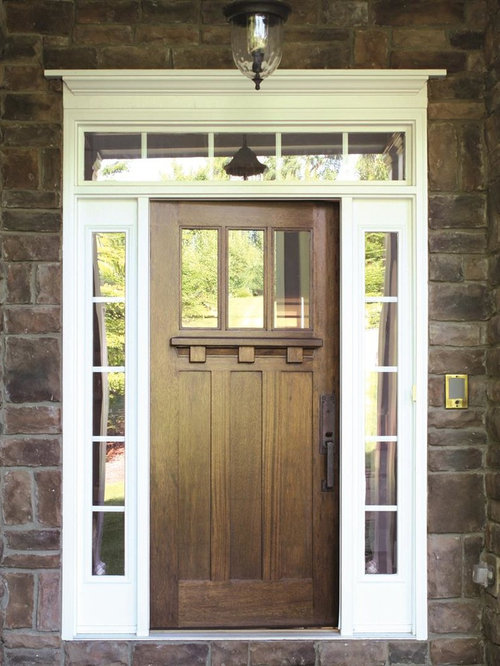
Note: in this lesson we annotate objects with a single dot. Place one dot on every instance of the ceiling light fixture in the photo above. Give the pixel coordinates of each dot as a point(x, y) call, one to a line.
point(257, 36)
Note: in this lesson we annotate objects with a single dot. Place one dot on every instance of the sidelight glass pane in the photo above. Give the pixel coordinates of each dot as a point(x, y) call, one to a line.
point(199, 278)
point(108, 473)
point(109, 264)
point(246, 278)
point(377, 155)
point(381, 263)
point(311, 157)
point(292, 276)
point(108, 413)
point(380, 468)
point(108, 544)
point(381, 334)
point(381, 404)
point(380, 542)
point(109, 334)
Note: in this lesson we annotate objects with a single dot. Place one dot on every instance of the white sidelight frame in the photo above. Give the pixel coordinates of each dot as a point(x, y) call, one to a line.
point(378, 606)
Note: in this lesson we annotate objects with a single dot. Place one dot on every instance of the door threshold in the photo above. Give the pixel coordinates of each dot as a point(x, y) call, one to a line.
point(322, 633)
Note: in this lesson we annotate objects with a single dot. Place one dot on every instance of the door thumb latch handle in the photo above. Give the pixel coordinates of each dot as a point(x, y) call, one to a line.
point(327, 444)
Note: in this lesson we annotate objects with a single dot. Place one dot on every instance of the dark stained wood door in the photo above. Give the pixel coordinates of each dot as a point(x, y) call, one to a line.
point(242, 532)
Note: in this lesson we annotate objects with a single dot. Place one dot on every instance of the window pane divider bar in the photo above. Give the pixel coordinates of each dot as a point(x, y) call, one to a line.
point(381, 299)
point(106, 508)
point(108, 299)
point(383, 368)
point(108, 368)
point(381, 507)
point(113, 438)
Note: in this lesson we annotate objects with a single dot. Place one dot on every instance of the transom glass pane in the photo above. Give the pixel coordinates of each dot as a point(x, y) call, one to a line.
point(199, 278)
point(178, 156)
point(108, 156)
point(246, 278)
point(292, 268)
point(314, 157)
point(228, 145)
point(376, 155)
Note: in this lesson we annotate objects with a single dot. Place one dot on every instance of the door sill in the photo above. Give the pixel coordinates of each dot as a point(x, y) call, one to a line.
point(322, 633)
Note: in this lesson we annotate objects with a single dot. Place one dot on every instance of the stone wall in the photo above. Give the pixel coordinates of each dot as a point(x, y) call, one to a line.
point(464, 182)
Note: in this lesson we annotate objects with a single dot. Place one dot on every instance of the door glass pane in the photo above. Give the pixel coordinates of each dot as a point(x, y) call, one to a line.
point(292, 268)
point(381, 263)
point(380, 466)
point(311, 157)
point(380, 542)
point(108, 473)
point(108, 415)
point(199, 278)
point(246, 278)
point(381, 334)
point(381, 404)
point(108, 544)
point(109, 264)
point(377, 155)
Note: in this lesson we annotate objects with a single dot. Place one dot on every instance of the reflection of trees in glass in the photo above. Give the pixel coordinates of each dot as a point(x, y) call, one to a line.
point(310, 167)
point(372, 166)
point(110, 170)
point(246, 272)
point(199, 276)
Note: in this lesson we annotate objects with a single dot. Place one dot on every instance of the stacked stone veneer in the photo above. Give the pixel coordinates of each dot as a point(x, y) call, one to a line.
point(464, 221)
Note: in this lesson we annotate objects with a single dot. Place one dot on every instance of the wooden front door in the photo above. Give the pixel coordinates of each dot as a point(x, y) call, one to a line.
point(244, 364)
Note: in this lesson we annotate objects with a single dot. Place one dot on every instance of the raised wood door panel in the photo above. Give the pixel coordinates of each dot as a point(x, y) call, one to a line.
point(241, 533)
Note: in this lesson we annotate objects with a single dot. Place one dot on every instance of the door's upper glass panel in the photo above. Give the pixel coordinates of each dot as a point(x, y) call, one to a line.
point(246, 278)
point(199, 278)
point(322, 157)
point(292, 276)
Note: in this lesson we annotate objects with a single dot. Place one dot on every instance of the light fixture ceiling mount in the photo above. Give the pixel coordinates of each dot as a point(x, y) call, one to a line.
point(257, 35)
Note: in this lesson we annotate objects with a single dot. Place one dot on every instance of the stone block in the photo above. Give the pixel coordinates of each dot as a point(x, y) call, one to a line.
point(457, 334)
point(48, 496)
point(344, 13)
point(32, 420)
point(492, 653)
point(455, 418)
point(139, 57)
point(458, 240)
point(51, 161)
point(352, 653)
point(457, 211)
point(28, 560)
point(30, 452)
point(20, 320)
point(316, 56)
point(106, 34)
point(409, 652)
point(450, 505)
point(455, 460)
point(119, 11)
point(446, 268)
point(17, 505)
point(467, 39)
point(444, 556)
point(26, 134)
point(33, 539)
point(493, 423)
point(476, 269)
point(169, 654)
point(45, 17)
point(452, 61)
point(24, 247)
point(71, 57)
point(461, 302)
point(472, 159)
point(456, 651)
point(443, 156)
point(424, 12)
point(186, 57)
point(30, 199)
point(493, 362)
point(456, 110)
point(454, 617)
point(435, 391)
point(32, 369)
point(181, 35)
point(32, 220)
point(456, 360)
point(20, 168)
point(18, 282)
point(48, 614)
point(456, 437)
point(282, 653)
point(473, 546)
point(21, 47)
point(27, 78)
point(24, 657)
point(30, 641)
point(493, 485)
point(413, 38)
point(371, 48)
point(48, 281)
point(462, 85)
point(229, 653)
point(19, 610)
point(169, 11)
point(79, 653)
point(493, 538)
point(37, 107)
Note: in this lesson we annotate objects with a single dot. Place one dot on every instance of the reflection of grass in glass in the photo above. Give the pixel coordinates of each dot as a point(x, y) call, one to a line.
point(112, 545)
point(246, 312)
point(115, 494)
